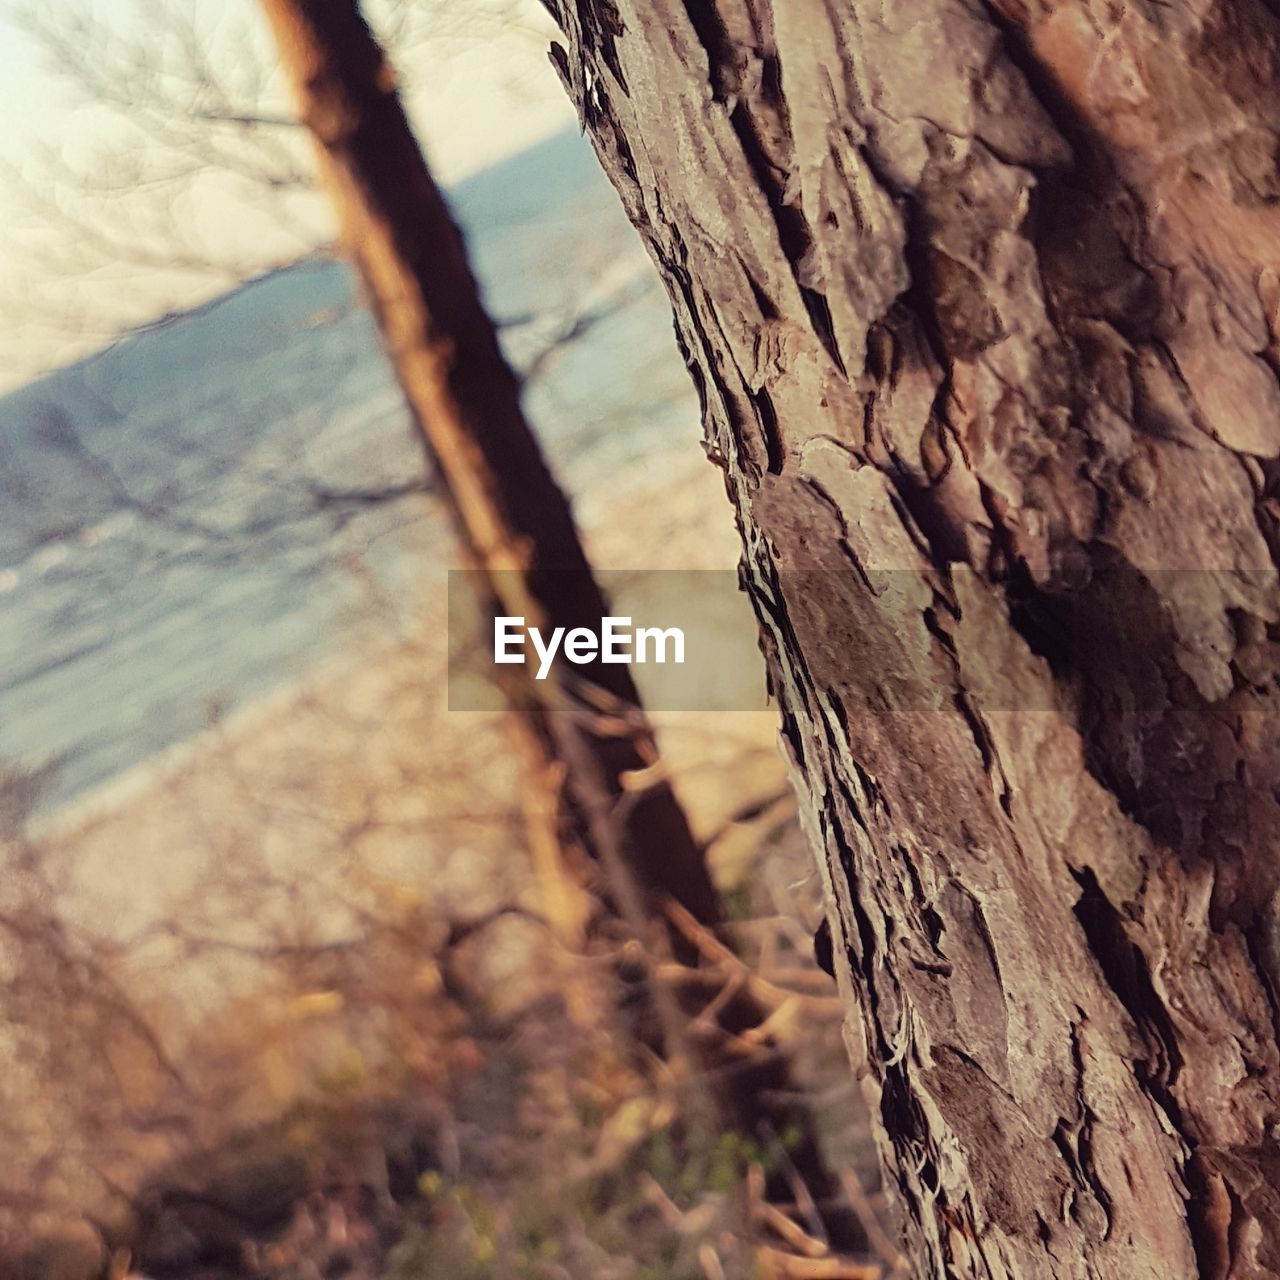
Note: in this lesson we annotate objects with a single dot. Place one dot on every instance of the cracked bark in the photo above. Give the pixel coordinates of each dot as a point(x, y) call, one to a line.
point(982, 301)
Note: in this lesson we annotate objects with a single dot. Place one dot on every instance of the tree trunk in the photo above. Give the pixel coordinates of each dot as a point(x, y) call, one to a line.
point(513, 520)
point(517, 526)
point(982, 297)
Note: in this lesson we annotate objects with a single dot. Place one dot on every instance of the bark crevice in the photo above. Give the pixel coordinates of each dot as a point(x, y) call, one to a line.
point(1034, 727)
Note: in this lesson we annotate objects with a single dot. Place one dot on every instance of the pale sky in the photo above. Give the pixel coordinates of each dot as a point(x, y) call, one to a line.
point(478, 84)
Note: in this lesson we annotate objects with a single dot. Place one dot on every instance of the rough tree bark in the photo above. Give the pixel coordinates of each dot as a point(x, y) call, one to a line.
point(982, 298)
point(517, 527)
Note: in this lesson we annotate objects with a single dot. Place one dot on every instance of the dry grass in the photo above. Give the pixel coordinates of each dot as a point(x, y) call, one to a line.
point(315, 936)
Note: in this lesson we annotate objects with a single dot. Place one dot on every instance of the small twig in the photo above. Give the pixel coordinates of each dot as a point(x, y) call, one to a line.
point(787, 1266)
point(805, 1205)
point(709, 1017)
point(709, 1261)
point(862, 1207)
point(765, 992)
point(796, 977)
point(668, 1210)
point(792, 1234)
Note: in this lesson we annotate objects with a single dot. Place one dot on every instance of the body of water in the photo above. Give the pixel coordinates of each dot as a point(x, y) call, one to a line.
point(181, 525)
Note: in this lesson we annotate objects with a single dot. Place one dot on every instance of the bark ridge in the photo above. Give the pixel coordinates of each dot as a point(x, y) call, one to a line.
point(982, 299)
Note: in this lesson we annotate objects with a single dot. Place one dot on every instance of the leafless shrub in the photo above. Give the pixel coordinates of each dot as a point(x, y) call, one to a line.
point(184, 131)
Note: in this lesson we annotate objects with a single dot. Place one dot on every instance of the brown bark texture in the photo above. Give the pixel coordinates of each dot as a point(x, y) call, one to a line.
point(982, 298)
point(518, 530)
